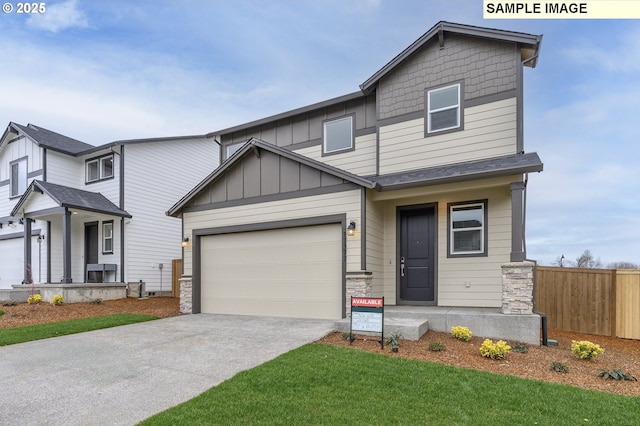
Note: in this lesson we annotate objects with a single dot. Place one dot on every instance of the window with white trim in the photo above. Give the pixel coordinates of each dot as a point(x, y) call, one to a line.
point(99, 168)
point(337, 135)
point(443, 108)
point(18, 178)
point(468, 229)
point(107, 237)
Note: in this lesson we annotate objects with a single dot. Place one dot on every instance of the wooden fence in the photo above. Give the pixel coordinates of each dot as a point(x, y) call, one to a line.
point(176, 273)
point(594, 301)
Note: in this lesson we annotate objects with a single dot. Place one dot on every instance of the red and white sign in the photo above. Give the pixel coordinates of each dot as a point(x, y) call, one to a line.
point(367, 302)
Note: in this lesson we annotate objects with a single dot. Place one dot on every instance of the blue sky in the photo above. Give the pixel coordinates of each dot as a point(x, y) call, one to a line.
point(103, 70)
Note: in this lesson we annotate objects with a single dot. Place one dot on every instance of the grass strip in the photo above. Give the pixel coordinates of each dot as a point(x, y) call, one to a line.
point(325, 385)
point(27, 333)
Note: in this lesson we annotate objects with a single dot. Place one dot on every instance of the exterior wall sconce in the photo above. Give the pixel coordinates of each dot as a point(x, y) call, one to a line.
point(351, 229)
point(186, 242)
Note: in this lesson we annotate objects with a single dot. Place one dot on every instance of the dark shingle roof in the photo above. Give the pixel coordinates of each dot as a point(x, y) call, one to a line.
point(478, 169)
point(68, 197)
point(52, 140)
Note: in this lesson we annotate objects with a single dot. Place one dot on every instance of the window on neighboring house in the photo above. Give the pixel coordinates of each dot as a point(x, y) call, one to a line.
point(107, 237)
point(232, 149)
point(18, 177)
point(99, 168)
point(468, 229)
point(338, 135)
point(443, 109)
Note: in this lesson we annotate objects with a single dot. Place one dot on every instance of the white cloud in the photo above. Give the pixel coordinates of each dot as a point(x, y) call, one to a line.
point(59, 17)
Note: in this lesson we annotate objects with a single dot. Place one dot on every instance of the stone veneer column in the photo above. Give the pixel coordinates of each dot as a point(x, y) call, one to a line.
point(358, 284)
point(517, 288)
point(186, 295)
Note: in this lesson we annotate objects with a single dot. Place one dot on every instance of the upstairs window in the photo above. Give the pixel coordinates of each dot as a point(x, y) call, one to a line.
point(18, 179)
point(338, 135)
point(443, 106)
point(468, 229)
point(232, 149)
point(99, 168)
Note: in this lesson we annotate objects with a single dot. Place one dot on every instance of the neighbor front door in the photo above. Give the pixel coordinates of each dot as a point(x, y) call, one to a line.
point(91, 244)
point(416, 255)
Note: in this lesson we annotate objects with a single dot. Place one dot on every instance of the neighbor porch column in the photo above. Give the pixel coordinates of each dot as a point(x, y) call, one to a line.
point(28, 276)
point(66, 247)
point(517, 222)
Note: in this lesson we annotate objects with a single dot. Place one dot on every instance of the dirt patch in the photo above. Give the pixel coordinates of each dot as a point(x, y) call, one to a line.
point(619, 353)
point(25, 314)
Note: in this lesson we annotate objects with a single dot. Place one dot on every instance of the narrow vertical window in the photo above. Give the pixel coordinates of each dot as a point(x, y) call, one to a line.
point(18, 177)
point(107, 237)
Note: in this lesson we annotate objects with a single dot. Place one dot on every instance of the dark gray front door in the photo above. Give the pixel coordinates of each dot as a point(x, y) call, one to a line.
point(91, 244)
point(416, 258)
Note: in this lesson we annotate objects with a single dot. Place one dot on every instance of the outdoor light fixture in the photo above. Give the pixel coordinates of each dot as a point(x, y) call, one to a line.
point(186, 242)
point(351, 229)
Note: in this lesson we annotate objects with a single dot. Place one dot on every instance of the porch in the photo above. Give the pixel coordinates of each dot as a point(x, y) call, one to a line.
point(412, 322)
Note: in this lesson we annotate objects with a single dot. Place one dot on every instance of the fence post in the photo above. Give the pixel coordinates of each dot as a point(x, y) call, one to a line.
point(614, 303)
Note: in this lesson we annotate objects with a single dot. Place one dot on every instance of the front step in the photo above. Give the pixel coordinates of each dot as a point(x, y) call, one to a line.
point(409, 328)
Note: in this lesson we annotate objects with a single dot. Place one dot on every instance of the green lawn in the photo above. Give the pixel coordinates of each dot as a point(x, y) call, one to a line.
point(328, 385)
point(11, 336)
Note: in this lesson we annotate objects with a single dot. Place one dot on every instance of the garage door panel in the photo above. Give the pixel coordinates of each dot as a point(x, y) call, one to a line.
point(293, 272)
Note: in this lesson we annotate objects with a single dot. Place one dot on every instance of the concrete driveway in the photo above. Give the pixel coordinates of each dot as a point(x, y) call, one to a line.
point(122, 375)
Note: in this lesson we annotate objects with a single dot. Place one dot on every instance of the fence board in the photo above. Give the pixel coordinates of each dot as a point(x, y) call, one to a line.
point(628, 300)
point(176, 269)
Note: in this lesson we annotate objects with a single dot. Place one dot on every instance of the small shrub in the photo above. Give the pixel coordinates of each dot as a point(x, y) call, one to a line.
point(461, 333)
point(436, 347)
point(9, 302)
point(34, 299)
point(96, 301)
point(57, 300)
point(616, 374)
point(585, 349)
point(393, 339)
point(1, 313)
point(521, 347)
point(558, 367)
point(497, 350)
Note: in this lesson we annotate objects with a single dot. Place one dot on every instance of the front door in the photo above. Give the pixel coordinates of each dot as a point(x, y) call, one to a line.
point(91, 244)
point(416, 255)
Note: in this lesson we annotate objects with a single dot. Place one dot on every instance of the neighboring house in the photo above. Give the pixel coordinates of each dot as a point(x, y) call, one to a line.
point(77, 205)
point(412, 188)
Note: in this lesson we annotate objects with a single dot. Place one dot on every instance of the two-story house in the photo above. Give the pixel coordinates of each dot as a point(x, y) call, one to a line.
point(71, 212)
point(411, 188)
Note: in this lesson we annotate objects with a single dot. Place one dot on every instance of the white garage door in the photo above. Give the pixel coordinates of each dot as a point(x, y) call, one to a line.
point(291, 272)
point(12, 262)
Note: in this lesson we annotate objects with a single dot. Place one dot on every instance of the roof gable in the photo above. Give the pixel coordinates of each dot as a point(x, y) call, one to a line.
point(67, 197)
point(260, 169)
point(529, 46)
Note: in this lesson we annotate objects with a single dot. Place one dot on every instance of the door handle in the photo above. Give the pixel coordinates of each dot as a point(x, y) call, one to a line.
point(402, 266)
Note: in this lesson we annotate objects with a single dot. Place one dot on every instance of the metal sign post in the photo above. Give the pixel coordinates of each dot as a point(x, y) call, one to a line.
point(367, 314)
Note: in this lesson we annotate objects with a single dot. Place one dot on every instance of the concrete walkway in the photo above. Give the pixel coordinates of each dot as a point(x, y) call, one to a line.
point(122, 375)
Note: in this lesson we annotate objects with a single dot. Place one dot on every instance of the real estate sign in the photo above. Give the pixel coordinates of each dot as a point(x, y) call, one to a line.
point(367, 314)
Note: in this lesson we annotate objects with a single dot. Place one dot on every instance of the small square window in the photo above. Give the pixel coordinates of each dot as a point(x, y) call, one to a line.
point(443, 109)
point(468, 229)
point(338, 135)
point(107, 237)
